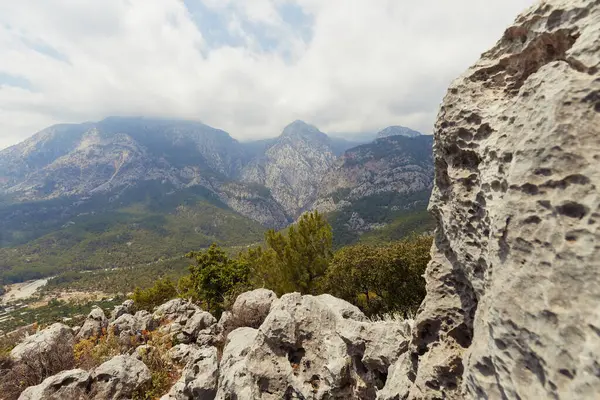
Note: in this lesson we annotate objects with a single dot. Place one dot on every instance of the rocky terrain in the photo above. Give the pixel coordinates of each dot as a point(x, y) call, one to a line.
point(513, 287)
point(317, 347)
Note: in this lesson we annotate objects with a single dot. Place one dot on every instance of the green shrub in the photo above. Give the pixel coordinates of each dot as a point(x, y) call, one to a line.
point(381, 279)
point(162, 291)
point(215, 277)
point(296, 260)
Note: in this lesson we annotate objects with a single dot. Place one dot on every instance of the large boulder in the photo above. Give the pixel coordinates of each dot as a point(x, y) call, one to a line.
point(234, 382)
point(251, 308)
point(71, 385)
point(311, 347)
point(513, 288)
point(183, 320)
point(200, 375)
point(119, 378)
point(53, 344)
point(94, 326)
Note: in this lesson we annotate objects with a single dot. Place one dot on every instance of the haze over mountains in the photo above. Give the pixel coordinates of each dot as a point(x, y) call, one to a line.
point(180, 178)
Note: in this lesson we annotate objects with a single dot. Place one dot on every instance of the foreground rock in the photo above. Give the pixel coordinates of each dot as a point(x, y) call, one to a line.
point(200, 375)
point(119, 378)
point(251, 308)
point(310, 347)
point(514, 286)
point(183, 320)
point(72, 385)
point(51, 345)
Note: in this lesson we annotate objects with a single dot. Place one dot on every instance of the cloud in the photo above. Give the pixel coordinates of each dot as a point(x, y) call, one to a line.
point(248, 67)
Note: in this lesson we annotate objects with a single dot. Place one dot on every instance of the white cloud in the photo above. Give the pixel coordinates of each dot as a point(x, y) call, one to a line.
point(366, 63)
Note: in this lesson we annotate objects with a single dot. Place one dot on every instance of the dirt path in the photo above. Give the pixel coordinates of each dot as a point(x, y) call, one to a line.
point(20, 291)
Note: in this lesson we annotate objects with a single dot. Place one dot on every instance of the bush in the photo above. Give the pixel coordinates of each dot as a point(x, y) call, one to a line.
point(295, 261)
point(31, 370)
point(162, 291)
point(381, 279)
point(215, 278)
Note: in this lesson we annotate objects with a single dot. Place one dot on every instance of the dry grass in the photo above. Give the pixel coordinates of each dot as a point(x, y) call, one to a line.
point(31, 370)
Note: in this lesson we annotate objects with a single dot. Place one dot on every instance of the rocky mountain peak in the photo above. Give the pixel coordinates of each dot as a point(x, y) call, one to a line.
point(397, 130)
point(301, 130)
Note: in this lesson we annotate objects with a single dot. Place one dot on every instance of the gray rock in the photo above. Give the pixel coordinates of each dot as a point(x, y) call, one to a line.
point(200, 375)
point(234, 382)
point(125, 308)
point(94, 325)
point(71, 385)
point(251, 308)
point(311, 347)
point(513, 287)
point(144, 321)
point(197, 322)
point(183, 320)
point(56, 340)
point(124, 323)
point(119, 378)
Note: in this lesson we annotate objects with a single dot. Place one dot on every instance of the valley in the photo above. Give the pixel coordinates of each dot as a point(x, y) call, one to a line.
point(129, 192)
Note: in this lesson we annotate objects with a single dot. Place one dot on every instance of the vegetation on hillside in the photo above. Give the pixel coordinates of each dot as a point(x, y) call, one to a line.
point(379, 279)
point(147, 227)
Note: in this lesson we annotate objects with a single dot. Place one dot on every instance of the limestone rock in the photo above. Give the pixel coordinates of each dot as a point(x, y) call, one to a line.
point(200, 375)
point(70, 385)
point(251, 308)
point(233, 379)
point(125, 308)
point(119, 378)
point(55, 341)
point(311, 347)
point(94, 325)
point(513, 287)
point(144, 321)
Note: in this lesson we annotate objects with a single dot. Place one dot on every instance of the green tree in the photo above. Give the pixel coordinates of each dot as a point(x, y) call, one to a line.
point(216, 277)
point(381, 279)
point(162, 291)
point(295, 260)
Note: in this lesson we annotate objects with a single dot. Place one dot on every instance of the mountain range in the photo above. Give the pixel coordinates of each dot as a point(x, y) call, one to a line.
point(118, 179)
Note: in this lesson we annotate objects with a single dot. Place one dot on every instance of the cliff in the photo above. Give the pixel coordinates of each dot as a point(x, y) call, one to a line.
point(513, 286)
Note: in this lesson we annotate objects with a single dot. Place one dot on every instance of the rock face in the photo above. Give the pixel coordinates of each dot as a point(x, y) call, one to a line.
point(94, 324)
point(392, 165)
point(293, 166)
point(119, 378)
point(53, 341)
point(72, 385)
point(513, 286)
point(310, 347)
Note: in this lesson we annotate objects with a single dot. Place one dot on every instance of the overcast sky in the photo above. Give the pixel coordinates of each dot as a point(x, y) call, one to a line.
point(246, 66)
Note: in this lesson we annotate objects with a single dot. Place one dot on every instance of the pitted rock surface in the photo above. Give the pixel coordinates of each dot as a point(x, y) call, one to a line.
point(513, 287)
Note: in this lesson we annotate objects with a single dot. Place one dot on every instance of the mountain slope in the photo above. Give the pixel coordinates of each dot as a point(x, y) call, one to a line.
point(397, 130)
point(128, 190)
point(292, 167)
point(373, 184)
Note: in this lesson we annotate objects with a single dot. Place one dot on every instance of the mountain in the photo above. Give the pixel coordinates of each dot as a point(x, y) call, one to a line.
point(372, 184)
point(293, 166)
point(397, 131)
point(88, 195)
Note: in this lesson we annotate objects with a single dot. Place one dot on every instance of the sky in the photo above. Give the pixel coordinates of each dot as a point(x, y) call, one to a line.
point(248, 67)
